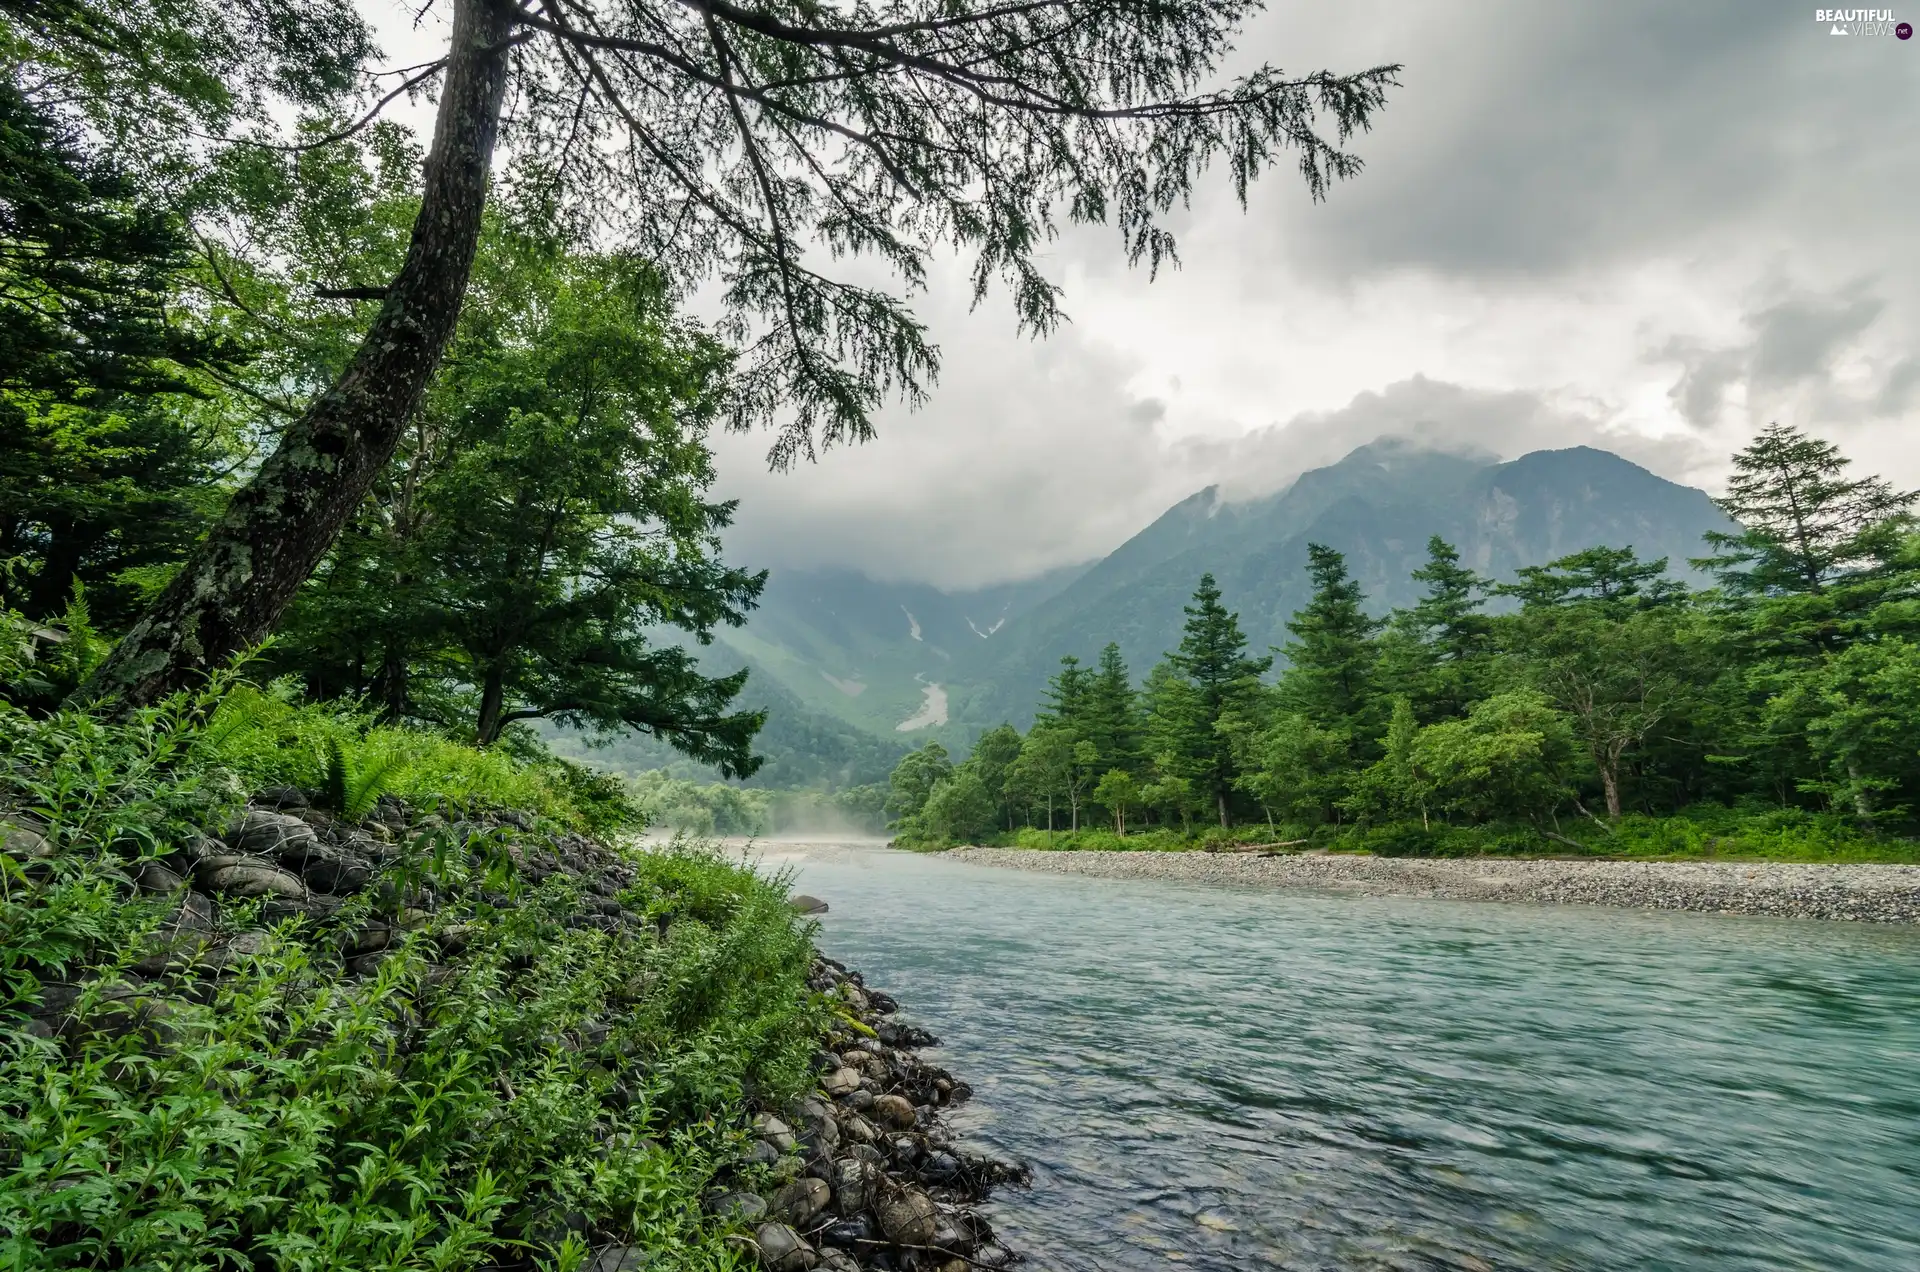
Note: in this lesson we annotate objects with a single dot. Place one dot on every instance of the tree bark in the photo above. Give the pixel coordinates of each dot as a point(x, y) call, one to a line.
point(492, 699)
point(235, 585)
point(1221, 796)
point(1610, 784)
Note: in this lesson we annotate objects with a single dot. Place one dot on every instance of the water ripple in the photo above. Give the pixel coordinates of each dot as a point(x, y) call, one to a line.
point(1215, 1078)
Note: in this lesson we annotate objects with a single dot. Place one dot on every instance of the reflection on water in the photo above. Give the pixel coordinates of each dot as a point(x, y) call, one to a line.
point(1222, 1078)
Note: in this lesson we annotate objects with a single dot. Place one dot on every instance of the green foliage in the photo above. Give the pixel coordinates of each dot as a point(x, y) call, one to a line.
point(1118, 792)
point(1780, 711)
point(272, 738)
point(555, 1078)
point(912, 782)
point(550, 511)
point(1331, 660)
point(1210, 678)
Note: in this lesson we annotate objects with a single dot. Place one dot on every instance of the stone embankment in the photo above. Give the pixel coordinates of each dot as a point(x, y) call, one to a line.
point(1861, 893)
point(873, 1180)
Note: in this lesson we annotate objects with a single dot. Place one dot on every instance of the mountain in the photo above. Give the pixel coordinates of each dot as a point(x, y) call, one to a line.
point(855, 670)
point(876, 655)
point(1379, 505)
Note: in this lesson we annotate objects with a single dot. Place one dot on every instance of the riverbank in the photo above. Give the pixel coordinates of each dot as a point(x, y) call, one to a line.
point(1854, 892)
point(251, 1001)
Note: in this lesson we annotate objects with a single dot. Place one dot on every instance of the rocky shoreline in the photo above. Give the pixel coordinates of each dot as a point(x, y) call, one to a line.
point(861, 1174)
point(1856, 893)
point(872, 1180)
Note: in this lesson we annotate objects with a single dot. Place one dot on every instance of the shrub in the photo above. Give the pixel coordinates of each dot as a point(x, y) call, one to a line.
point(559, 1082)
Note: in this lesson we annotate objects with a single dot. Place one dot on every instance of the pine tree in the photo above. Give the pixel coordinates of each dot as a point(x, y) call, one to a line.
point(1436, 653)
point(1331, 659)
point(1066, 698)
point(1803, 524)
point(1112, 717)
point(1212, 660)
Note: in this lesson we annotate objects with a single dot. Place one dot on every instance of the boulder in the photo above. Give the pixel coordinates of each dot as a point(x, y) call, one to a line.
point(908, 1218)
point(853, 1233)
point(781, 1249)
point(837, 1261)
point(747, 1207)
point(894, 1111)
point(247, 879)
point(22, 835)
point(854, 1183)
point(262, 834)
point(775, 1132)
point(940, 1168)
point(798, 1202)
point(761, 1153)
point(154, 877)
point(281, 797)
point(620, 1259)
point(805, 904)
point(326, 867)
point(841, 1081)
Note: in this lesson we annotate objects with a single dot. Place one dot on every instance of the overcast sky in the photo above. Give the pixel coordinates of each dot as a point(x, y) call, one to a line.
point(1650, 227)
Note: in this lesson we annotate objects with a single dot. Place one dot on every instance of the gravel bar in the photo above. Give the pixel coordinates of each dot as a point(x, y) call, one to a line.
point(1859, 893)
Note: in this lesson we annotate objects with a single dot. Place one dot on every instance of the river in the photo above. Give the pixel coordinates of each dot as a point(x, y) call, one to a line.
point(1221, 1078)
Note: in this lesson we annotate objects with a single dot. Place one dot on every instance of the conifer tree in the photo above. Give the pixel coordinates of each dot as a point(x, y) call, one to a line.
point(1066, 698)
point(1112, 717)
point(1331, 659)
point(1221, 680)
point(1803, 523)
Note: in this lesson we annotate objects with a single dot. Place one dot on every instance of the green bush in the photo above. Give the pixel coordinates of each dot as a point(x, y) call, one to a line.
point(559, 1082)
point(268, 737)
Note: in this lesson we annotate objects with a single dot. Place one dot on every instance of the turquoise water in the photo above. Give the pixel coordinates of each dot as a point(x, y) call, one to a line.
point(1222, 1078)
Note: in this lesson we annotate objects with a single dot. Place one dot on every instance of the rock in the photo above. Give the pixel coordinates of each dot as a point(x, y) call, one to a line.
point(265, 834)
point(853, 995)
point(858, 1129)
point(799, 1201)
point(940, 1168)
point(745, 1206)
point(22, 835)
point(854, 1182)
point(775, 1132)
point(620, 1259)
point(155, 877)
point(781, 1249)
point(908, 1218)
point(250, 880)
point(837, 1261)
point(849, 1234)
point(761, 1154)
point(326, 867)
point(841, 1081)
point(805, 904)
point(894, 1111)
point(903, 1149)
point(366, 964)
point(280, 797)
point(960, 1093)
point(195, 913)
point(860, 1101)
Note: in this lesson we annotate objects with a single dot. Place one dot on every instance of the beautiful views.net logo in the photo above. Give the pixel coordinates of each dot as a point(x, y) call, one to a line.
point(1863, 22)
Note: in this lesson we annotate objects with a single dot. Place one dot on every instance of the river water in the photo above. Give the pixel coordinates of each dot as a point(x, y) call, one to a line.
point(1223, 1078)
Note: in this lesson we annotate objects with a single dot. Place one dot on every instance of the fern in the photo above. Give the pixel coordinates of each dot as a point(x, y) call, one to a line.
point(353, 785)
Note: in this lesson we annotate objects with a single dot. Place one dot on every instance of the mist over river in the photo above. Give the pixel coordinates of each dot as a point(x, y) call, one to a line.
point(1223, 1078)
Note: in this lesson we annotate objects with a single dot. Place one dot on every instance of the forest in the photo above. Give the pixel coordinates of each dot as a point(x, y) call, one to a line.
point(1591, 704)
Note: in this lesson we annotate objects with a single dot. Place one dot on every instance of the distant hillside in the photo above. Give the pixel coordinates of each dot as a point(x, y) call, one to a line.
point(1378, 506)
point(803, 747)
point(843, 661)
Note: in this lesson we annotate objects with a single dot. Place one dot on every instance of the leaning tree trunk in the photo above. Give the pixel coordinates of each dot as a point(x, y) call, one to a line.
point(234, 586)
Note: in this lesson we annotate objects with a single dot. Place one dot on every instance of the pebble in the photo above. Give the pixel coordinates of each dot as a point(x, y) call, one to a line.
point(1855, 892)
